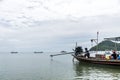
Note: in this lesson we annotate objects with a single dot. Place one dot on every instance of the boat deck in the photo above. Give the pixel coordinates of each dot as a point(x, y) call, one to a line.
point(97, 60)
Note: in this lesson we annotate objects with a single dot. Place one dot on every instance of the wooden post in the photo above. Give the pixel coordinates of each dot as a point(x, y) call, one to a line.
point(97, 42)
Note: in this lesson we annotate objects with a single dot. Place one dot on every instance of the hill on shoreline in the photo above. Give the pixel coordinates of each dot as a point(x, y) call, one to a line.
point(106, 45)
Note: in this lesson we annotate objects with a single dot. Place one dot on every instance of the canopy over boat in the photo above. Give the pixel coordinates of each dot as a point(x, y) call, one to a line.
point(113, 39)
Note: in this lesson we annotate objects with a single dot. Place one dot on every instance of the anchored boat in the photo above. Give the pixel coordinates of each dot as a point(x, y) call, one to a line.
point(96, 60)
point(99, 58)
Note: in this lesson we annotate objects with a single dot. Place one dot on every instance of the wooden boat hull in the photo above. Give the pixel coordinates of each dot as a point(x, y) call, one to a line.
point(97, 61)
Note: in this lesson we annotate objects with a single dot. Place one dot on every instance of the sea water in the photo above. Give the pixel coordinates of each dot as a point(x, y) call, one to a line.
point(30, 66)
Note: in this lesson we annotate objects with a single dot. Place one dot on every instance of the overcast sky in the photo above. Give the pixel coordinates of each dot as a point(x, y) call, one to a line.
point(55, 25)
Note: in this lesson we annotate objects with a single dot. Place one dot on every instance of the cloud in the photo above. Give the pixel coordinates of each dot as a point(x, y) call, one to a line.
point(29, 25)
point(58, 34)
point(49, 9)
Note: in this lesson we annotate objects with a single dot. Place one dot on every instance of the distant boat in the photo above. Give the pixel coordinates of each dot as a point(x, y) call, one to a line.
point(13, 52)
point(38, 52)
point(63, 52)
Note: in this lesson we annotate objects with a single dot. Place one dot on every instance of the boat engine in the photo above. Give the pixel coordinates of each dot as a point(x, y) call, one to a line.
point(78, 50)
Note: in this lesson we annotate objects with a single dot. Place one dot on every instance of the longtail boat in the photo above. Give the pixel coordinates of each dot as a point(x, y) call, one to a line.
point(96, 59)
